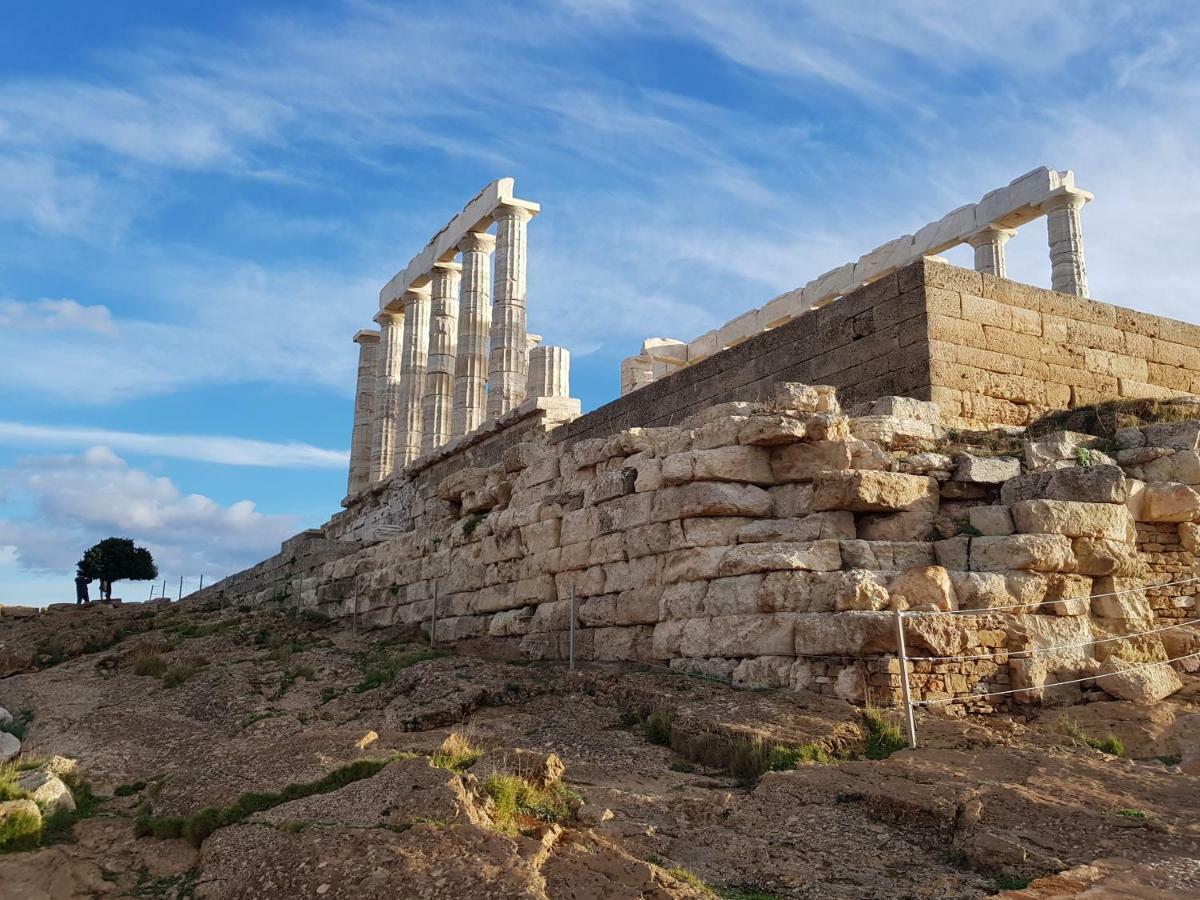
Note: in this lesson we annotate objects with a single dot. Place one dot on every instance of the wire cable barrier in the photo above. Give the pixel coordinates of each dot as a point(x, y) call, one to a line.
point(1038, 687)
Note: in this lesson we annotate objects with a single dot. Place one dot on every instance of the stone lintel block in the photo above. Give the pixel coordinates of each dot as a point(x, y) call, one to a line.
point(874, 491)
point(1074, 519)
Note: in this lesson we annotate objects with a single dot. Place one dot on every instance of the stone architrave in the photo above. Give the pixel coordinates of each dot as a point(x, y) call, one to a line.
point(508, 360)
point(438, 401)
point(414, 361)
point(474, 325)
point(387, 395)
point(989, 249)
point(364, 411)
point(1068, 272)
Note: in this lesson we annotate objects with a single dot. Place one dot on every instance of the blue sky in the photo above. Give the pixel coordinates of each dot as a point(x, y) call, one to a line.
point(200, 201)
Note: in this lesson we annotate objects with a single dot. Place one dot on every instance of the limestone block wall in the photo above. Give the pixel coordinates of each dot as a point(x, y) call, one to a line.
point(988, 350)
point(1003, 353)
point(771, 543)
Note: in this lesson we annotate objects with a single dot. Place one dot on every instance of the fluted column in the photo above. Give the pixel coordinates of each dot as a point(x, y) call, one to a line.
point(989, 244)
point(387, 394)
point(443, 342)
point(549, 372)
point(1068, 272)
point(414, 360)
point(508, 361)
point(474, 324)
point(364, 412)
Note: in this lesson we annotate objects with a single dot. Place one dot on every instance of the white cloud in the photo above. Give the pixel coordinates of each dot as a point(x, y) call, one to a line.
point(232, 451)
point(79, 500)
point(56, 315)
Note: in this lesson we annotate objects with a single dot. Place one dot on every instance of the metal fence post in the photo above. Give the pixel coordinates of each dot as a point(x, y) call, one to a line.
point(572, 638)
point(180, 597)
point(433, 615)
point(908, 707)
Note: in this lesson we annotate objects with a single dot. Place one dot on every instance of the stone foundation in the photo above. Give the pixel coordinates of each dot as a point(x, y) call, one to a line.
point(772, 543)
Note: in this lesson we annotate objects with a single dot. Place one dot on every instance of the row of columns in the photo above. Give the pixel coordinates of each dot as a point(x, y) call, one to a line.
point(456, 354)
point(1064, 231)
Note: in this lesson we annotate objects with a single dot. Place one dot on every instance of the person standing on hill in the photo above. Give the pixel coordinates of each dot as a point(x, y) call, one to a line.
point(81, 589)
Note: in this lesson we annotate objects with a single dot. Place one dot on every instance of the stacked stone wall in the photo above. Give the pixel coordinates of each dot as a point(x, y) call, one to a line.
point(988, 350)
point(772, 543)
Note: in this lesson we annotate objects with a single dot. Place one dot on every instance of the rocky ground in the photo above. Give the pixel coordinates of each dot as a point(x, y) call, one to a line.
point(217, 744)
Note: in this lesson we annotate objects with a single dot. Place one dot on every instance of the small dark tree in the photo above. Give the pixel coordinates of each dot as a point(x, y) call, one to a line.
point(118, 559)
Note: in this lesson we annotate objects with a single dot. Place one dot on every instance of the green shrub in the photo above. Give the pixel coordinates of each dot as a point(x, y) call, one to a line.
point(1133, 813)
point(1111, 744)
point(781, 758)
point(457, 753)
point(382, 668)
point(128, 790)
point(149, 664)
point(180, 672)
point(1012, 882)
point(657, 727)
point(20, 831)
point(518, 802)
point(883, 738)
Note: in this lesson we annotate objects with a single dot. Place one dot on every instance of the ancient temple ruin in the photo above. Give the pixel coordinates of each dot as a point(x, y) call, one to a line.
point(986, 226)
point(452, 350)
point(774, 502)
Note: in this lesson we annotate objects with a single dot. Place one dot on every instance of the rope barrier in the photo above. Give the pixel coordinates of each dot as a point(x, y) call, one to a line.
point(1021, 653)
point(1038, 687)
point(993, 609)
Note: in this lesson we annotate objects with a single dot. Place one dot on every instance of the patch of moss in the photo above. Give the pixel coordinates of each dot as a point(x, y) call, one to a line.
point(382, 668)
point(198, 826)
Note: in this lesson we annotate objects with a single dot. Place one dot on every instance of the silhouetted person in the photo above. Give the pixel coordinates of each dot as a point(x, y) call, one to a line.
point(81, 589)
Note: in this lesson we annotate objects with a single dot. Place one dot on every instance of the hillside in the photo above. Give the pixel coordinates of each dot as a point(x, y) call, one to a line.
point(233, 742)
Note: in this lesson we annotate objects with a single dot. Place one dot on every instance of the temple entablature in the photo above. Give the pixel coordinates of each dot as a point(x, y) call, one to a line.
point(986, 226)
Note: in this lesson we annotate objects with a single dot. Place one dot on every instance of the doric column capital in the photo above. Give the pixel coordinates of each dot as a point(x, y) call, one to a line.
point(445, 268)
point(388, 317)
point(366, 336)
point(513, 211)
point(1066, 198)
point(991, 234)
point(477, 242)
point(415, 295)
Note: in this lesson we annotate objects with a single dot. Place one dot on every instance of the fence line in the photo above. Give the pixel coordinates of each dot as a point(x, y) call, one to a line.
point(1021, 653)
point(1038, 687)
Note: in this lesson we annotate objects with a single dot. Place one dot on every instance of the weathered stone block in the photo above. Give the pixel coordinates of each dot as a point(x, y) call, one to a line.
point(902, 526)
point(1087, 484)
point(803, 462)
point(1182, 466)
point(1169, 502)
point(811, 556)
point(1036, 552)
point(986, 469)
point(738, 464)
point(874, 492)
point(734, 636)
point(1099, 520)
point(923, 588)
point(815, 527)
point(710, 499)
point(991, 520)
point(764, 672)
point(887, 556)
point(1139, 685)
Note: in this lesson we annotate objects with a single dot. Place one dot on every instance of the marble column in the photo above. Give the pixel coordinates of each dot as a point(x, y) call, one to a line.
point(474, 324)
point(414, 361)
point(549, 372)
point(364, 412)
point(989, 244)
point(387, 394)
point(508, 360)
point(1068, 272)
point(443, 343)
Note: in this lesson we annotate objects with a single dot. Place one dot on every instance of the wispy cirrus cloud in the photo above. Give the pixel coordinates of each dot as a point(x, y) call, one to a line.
point(232, 451)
